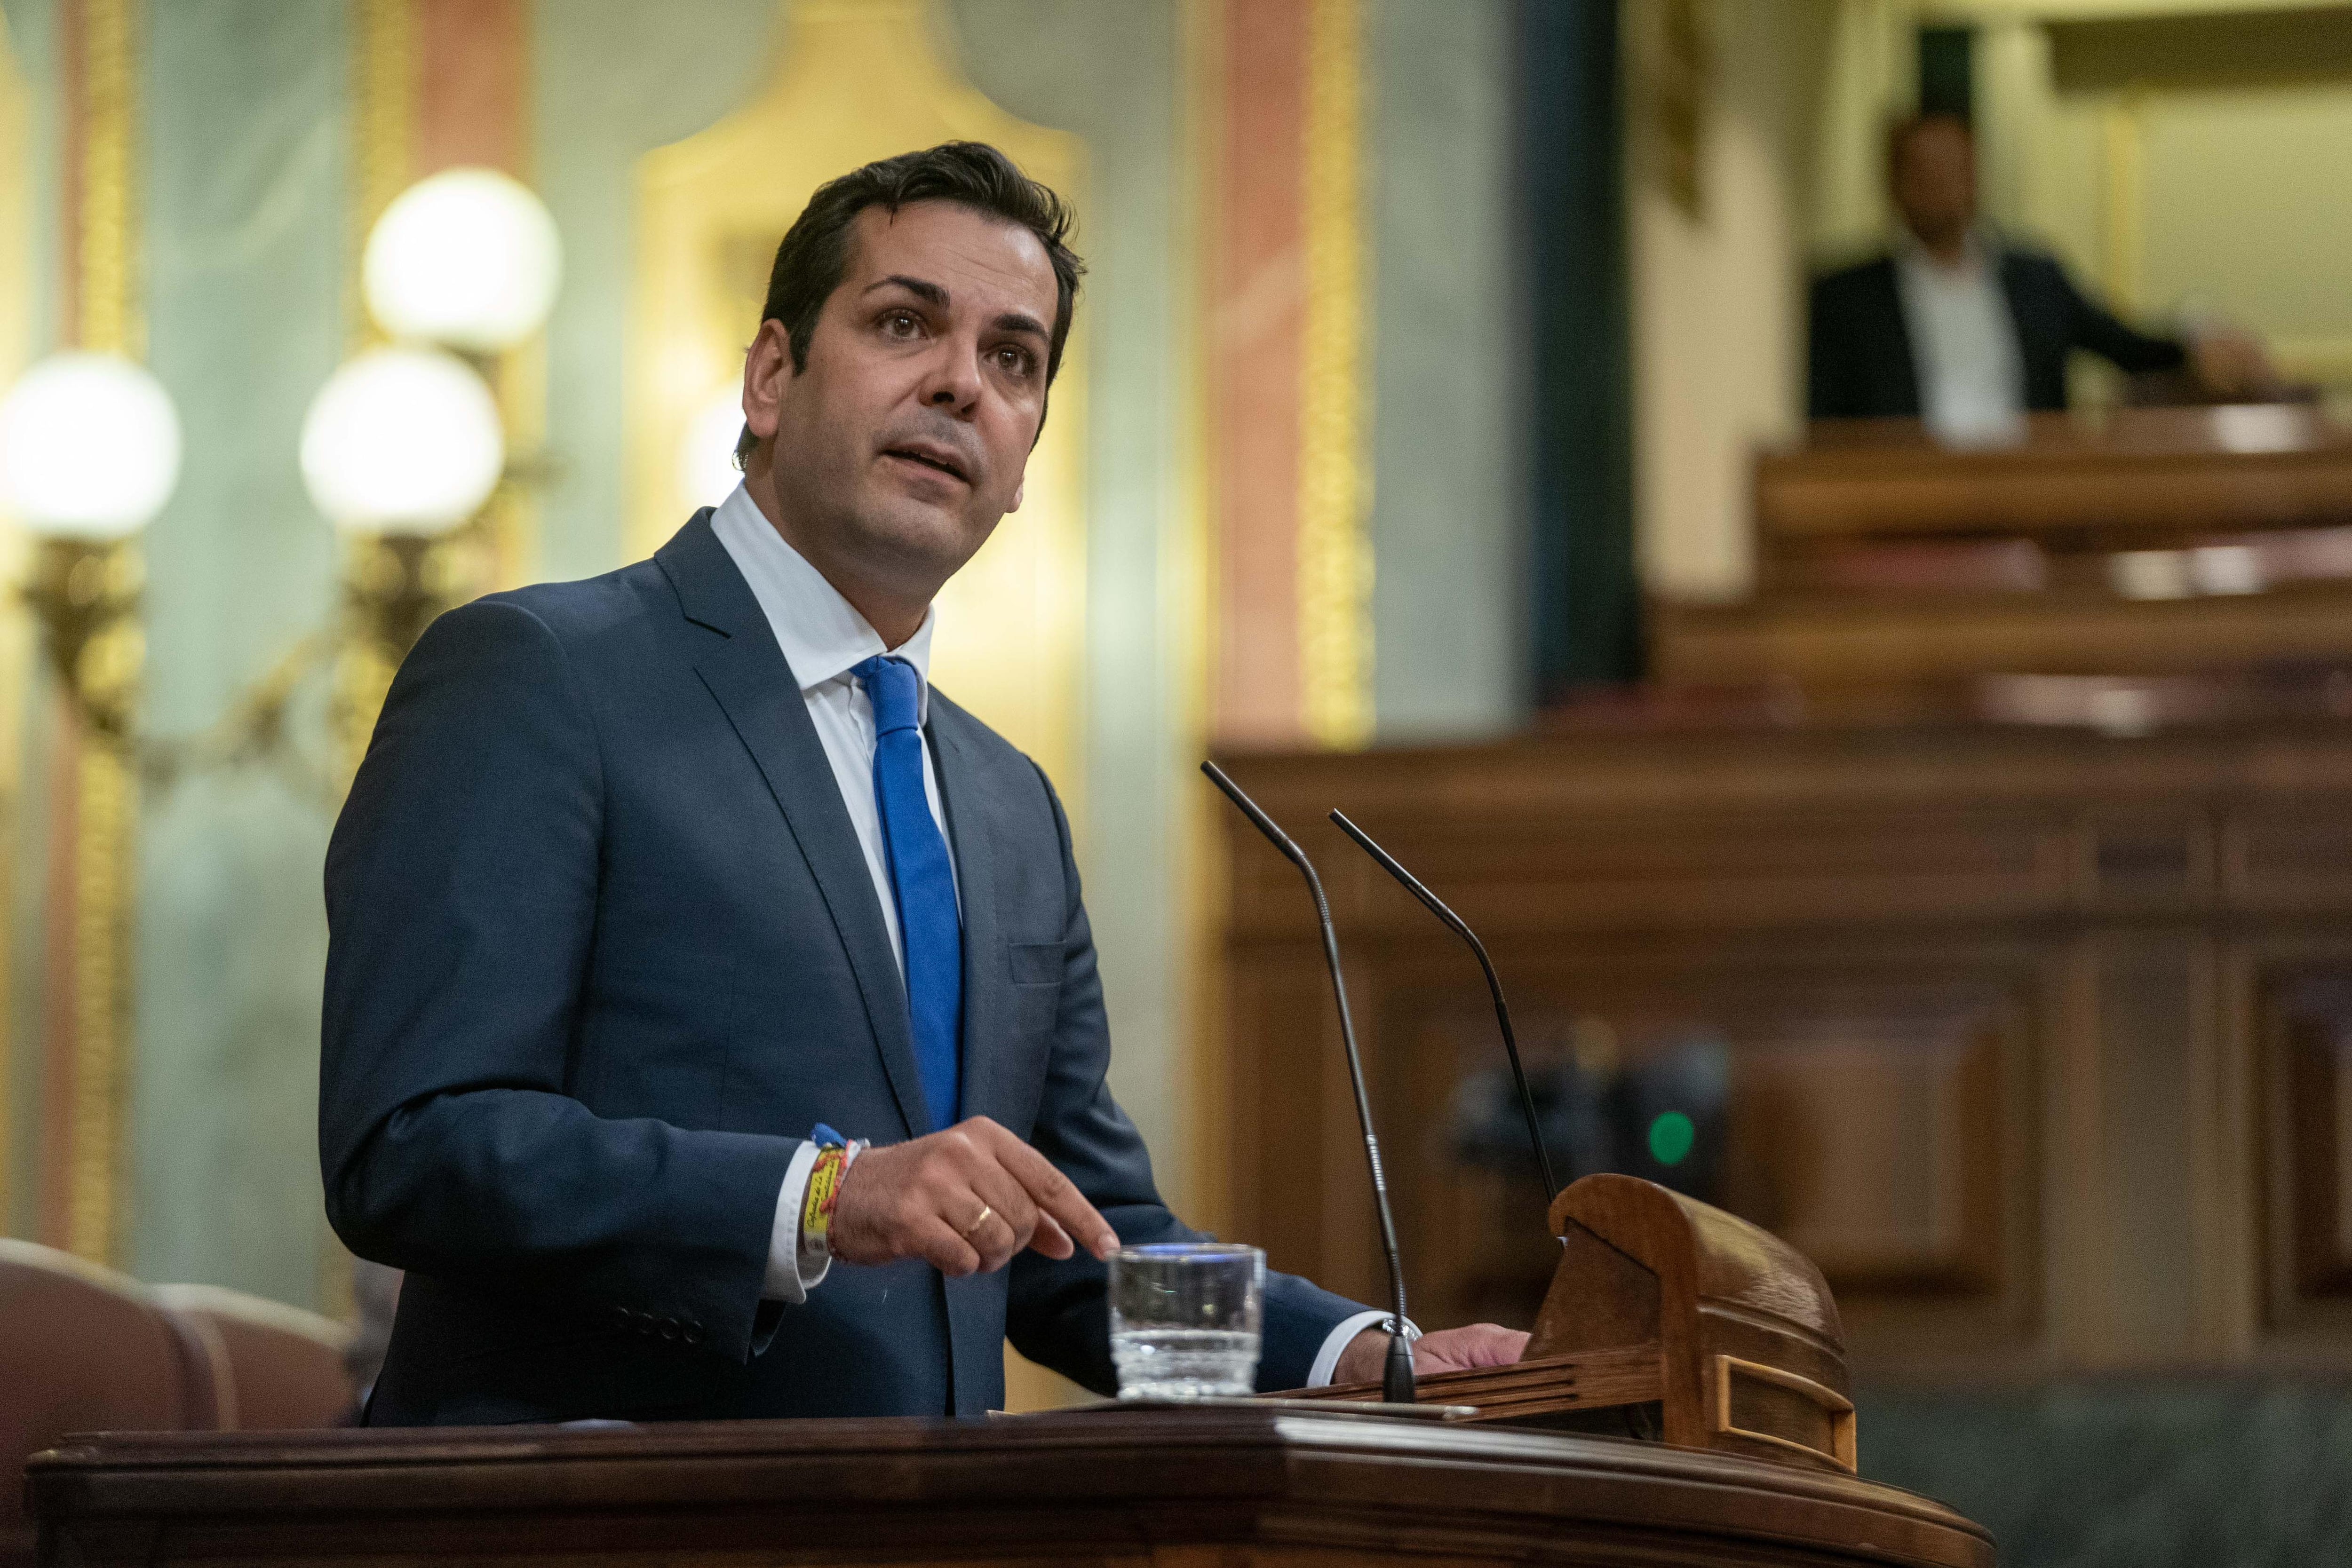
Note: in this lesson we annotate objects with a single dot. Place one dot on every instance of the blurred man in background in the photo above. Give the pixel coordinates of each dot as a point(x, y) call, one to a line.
point(1967, 332)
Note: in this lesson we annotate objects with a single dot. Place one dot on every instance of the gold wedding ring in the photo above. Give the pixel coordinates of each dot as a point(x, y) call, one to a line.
point(983, 1217)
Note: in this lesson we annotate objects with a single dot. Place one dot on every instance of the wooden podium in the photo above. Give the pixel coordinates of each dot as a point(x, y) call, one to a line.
point(1208, 1487)
point(1677, 1319)
point(1702, 1329)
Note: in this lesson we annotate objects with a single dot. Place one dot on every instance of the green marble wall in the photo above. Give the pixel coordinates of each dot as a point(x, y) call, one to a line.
point(1449, 612)
point(2131, 1473)
point(246, 149)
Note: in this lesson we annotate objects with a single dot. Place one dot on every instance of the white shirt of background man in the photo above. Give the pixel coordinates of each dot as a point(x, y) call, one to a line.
point(823, 638)
point(1963, 345)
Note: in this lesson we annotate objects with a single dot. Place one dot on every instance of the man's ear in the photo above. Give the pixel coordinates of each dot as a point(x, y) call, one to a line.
point(1018, 491)
point(767, 366)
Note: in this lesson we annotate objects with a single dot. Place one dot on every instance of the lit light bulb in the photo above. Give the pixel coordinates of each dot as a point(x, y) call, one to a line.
point(468, 257)
point(89, 447)
point(402, 441)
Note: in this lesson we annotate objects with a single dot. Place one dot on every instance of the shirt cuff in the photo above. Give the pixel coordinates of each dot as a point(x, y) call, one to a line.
point(788, 1279)
point(1327, 1360)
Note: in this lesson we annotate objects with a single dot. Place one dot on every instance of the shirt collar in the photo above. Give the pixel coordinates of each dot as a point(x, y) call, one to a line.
point(1975, 257)
point(822, 635)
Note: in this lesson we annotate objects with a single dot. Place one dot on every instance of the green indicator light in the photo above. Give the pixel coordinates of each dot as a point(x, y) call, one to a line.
point(1670, 1137)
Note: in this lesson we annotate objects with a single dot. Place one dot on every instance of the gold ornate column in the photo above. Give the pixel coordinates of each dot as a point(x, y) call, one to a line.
point(95, 810)
point(16, 184)
point(1335, 481)
point(383, 109)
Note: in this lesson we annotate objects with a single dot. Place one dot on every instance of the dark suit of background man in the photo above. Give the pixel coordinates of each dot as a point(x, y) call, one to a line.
point(650, 882)
point(1966, 332)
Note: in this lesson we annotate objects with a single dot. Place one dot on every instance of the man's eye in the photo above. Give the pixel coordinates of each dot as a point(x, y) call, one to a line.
point(1017, 361)
point(900, 323)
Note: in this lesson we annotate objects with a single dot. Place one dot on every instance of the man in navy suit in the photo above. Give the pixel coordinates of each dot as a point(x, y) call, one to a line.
point(1968, 333)
point(648, 884)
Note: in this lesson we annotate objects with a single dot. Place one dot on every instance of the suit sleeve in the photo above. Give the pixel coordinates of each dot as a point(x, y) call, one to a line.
point(2097, 330)
point(1058, 1314)
point(461, 895)
point(1828, 363)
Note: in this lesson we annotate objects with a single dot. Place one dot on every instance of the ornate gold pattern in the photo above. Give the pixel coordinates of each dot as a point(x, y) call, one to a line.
point(383, 109)
point(108, 812)
point(15, 296)
point(103, 665)
point(112, 320)
point(1335, 490)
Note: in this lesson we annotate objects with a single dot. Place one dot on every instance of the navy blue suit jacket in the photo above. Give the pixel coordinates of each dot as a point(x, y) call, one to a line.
point(1859, 348)
point(603, 949)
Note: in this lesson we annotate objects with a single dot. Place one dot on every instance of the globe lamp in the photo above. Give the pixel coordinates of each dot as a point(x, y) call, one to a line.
point(403, 441)
point(468, 258)
point(89, 447)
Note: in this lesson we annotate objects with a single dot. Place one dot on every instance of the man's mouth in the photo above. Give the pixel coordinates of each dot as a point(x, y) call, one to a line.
point(931, 458)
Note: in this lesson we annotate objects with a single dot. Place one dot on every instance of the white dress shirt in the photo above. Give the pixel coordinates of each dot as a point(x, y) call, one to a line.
point(1963, 345)
point(824, 638)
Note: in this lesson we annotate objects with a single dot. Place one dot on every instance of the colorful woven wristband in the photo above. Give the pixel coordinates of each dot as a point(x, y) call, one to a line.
point(835, 1156)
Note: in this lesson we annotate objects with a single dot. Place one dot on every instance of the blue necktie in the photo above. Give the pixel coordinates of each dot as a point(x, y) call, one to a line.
point(922, 880)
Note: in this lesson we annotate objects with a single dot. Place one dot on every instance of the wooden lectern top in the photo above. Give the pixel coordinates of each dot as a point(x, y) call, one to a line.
point(1156, 1486)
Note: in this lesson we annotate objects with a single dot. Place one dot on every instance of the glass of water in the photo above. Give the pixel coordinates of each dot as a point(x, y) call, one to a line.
point(1184, 1319)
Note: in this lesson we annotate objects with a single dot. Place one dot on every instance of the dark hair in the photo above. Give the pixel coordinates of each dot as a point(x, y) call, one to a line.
point(815, 249)
point(1901, 130)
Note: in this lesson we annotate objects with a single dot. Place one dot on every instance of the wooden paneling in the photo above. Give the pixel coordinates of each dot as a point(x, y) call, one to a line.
point(2029, 1039)
point(2147, 477)
point(2306, 1030)
point(1825, 643)
point(1895, 574)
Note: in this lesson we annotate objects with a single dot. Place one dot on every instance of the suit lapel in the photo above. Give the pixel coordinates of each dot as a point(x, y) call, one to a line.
point(987, 975)
point(1893, 330)
point(755, 688)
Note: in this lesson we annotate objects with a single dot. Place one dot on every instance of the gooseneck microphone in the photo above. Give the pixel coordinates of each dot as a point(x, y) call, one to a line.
point(1396, 1380)
point(1436, 906)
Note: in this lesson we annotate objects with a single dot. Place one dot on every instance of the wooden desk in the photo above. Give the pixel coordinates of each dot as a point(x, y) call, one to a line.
point(1204, 1489)
point(2168, 542)
point(2143, 477)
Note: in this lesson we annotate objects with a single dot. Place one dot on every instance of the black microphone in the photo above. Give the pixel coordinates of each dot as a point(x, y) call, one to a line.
point(1396, 1380)
point(1502, 1009)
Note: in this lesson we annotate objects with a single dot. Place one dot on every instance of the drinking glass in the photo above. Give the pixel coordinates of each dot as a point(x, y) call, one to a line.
point(1184, 1319)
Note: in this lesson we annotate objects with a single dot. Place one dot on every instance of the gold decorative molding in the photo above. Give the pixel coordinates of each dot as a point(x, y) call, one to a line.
point(112, 320)
point(1192, 612)
point(384, 66)
point(1335, 487)
point(858, 80)
point(106, 822)
point(16, 184)
point(107, 664)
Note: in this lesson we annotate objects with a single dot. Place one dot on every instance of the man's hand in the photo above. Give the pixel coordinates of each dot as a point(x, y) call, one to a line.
point(2229, 363)
point(1447, 1349)
point(964, 1200)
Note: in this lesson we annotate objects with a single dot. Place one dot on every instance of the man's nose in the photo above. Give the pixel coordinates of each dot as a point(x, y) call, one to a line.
point(952, 382)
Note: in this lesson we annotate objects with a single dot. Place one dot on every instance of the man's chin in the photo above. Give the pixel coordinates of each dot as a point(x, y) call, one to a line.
point(922, 534)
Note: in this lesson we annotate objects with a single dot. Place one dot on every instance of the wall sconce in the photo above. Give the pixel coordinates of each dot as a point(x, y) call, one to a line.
point(401, 446)
point(404, 445)
point(467, 258)
point(90, 451)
